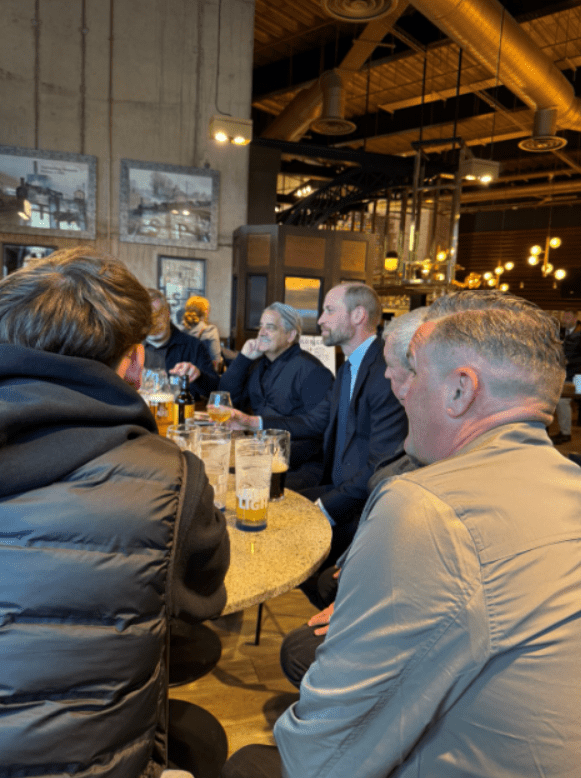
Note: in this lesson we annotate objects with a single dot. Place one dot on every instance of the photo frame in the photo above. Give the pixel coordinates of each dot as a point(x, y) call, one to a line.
point(179, 278)
point(16, 255)
point(169, 205)
point(47, 192)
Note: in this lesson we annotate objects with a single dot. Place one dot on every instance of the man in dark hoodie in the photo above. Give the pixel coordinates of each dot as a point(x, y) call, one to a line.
point(107, 530)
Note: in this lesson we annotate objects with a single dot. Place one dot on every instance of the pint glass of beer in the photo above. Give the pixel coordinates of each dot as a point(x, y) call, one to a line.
point(280, 442)
point(253, 458)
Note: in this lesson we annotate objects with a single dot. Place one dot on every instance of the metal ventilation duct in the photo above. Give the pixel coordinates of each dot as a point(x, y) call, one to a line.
point(358, 10)
point(476, 26)
point(332, 121)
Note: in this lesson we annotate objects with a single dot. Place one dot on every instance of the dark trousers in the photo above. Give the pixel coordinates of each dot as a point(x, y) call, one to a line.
point(253, 762)
point(297, 652)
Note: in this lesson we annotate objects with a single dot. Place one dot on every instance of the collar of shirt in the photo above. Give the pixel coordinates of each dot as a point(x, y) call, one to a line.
point(356, 359)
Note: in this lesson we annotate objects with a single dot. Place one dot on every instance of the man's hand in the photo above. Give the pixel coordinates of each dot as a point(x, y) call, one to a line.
point(324, 617)
point(242, 421)
point(251, 349)
point(186, 368)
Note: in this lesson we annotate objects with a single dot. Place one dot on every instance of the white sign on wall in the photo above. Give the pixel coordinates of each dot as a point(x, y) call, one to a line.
point(314, 345)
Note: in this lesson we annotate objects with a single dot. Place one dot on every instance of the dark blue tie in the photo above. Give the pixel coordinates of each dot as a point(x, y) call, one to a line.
point(342, 416)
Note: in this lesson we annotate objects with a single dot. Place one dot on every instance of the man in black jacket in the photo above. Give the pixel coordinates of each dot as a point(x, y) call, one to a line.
point(360, 420)
point(273, 376)
point(108, 530)
point(176, 352)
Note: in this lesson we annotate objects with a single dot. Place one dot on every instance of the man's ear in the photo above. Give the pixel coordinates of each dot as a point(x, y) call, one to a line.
point(461, 389)
point(131, 365)
point(358, 314)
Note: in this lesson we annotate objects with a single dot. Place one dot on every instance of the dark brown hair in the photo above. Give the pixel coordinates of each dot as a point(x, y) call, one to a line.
point(75, 302)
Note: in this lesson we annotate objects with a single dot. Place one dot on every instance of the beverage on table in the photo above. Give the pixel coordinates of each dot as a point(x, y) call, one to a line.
point(253, 457)
point(280, 442)
point(214, 451)
point(277, 479)
point(161, 405)
point(217, 414)
point(157, 393)
point(218, 405)
point(186, 437)
point(184, 405)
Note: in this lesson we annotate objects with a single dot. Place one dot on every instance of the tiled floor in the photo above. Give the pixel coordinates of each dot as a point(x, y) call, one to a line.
point(246, 691)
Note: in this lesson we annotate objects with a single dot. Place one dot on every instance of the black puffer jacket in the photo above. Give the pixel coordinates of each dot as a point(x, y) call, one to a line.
point(88, 502)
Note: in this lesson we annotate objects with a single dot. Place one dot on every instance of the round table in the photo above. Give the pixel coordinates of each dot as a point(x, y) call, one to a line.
point(270, 562)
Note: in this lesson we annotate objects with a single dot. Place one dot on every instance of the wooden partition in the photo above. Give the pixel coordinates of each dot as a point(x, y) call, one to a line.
point(295, 265)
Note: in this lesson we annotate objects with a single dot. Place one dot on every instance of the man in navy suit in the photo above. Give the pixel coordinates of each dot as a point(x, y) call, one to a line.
point(360, 420)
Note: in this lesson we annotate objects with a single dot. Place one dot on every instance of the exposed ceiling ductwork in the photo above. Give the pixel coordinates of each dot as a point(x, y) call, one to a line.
point(298, 116)
point(358, 10)
point(493, 37)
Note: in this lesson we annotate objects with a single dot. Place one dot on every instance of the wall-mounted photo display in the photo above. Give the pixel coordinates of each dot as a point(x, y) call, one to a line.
point(179, 278)
point(168, 205)
point(47, 192)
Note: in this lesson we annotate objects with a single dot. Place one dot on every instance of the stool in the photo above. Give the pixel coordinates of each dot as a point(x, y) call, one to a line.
point(196, 740)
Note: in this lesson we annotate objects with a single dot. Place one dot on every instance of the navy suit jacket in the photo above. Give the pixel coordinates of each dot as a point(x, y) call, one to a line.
point(376, 429)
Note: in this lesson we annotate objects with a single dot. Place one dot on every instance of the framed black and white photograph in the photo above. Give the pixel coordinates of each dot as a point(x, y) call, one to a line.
point(168, 205)
point(16, 255)
point(47, 192)
point(180, 278)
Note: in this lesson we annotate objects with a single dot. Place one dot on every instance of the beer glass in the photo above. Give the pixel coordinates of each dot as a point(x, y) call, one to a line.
point(214, 451)
point(217, 407)
point(280, 442)
point(253, 457)
point(159, 396)
point(185, 436)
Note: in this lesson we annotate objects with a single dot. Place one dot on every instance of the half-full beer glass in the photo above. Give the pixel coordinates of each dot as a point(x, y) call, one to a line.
point(280, 442)
point(253, 458)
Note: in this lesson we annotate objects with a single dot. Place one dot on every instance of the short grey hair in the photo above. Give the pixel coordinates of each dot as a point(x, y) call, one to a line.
point(289, 316)
point(400, 331)
point(478, 300)
point(524, 337)
point(357, 293)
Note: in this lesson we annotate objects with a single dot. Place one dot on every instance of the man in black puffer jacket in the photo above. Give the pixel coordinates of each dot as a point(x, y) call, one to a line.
point(107, 531)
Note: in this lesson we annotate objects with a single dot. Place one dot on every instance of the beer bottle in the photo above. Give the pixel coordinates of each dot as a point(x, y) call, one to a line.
point(184, 402)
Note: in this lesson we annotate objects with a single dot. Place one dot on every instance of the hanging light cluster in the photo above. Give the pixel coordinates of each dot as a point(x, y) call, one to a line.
point(538, 256)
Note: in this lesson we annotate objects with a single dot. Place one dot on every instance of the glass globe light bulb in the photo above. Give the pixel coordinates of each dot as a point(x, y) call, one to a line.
point(509, 265)
point(533, 259)
point(536, 250)
point(560, 274)
point(554, 243)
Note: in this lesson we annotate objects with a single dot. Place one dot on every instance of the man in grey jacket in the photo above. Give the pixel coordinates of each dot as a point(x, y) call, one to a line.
point(456, 636)
point(108, 531)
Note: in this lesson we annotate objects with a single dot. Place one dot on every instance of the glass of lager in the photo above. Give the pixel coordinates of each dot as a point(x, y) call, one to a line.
point(253, 458)
point(280, 442)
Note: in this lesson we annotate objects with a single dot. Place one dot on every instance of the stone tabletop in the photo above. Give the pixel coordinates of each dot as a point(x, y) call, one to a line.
point(268, 563)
